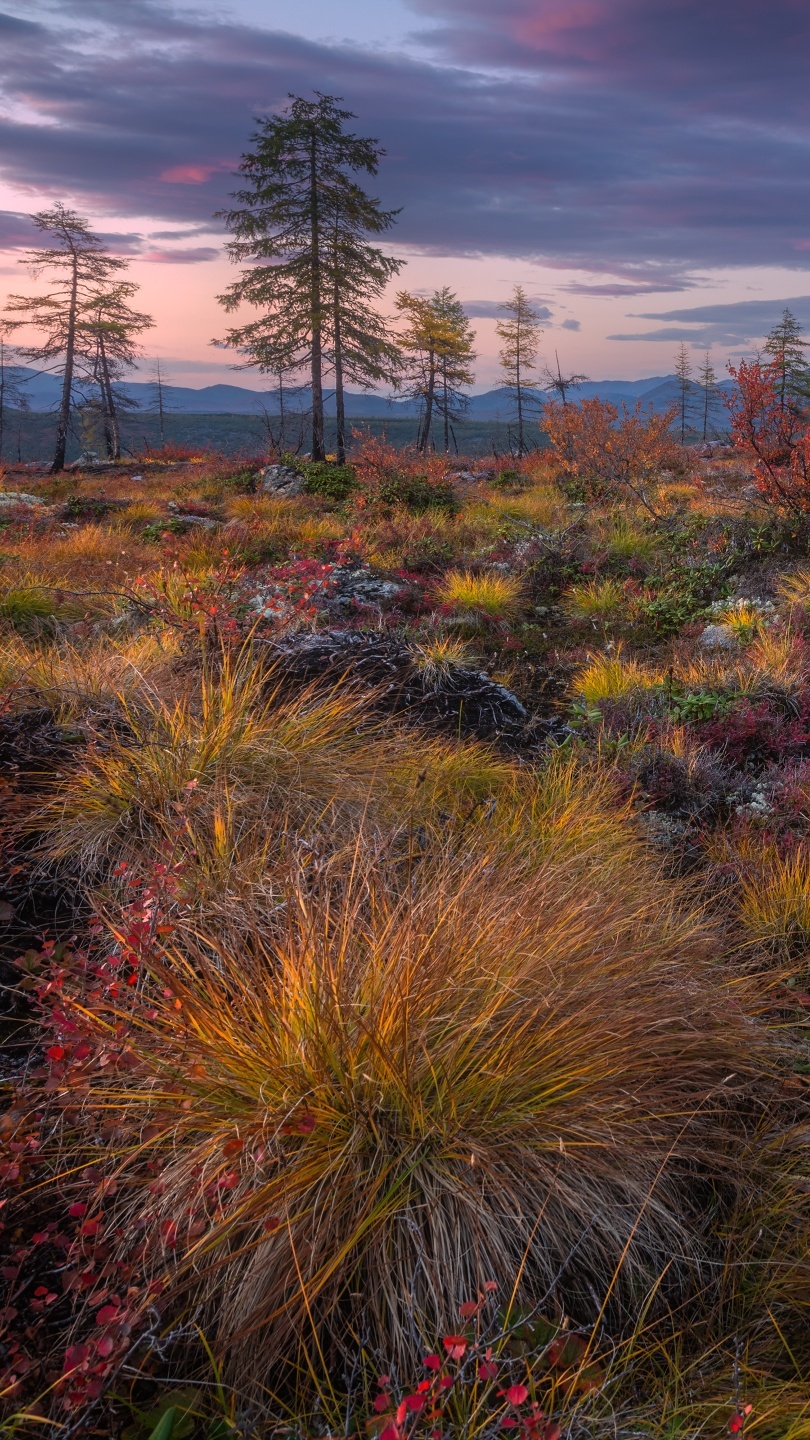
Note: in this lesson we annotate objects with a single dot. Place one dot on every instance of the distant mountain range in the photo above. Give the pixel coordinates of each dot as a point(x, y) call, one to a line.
point(656, 392)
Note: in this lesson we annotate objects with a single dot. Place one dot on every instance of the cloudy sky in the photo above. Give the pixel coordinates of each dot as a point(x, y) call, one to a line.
point(642, 167)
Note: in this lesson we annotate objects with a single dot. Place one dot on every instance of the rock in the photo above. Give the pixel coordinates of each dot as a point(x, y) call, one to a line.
point(454, 477)
point(18, 497)
point(359, 585)
point(719, 637)
point(459, 701)
point(281, 480)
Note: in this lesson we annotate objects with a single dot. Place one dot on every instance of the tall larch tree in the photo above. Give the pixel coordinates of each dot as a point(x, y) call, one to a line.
point(683, 376)
point(710, 394)
point(438, 340)
point(300, 181)
point(455, 359)
point(110, 330)
point(80, 270)
point(361, 346)
point(520, 333)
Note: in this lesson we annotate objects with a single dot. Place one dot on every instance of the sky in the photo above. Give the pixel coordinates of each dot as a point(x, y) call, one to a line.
point(641, 167)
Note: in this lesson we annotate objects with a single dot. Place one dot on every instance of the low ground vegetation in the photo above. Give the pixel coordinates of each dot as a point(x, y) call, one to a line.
point(405, 942)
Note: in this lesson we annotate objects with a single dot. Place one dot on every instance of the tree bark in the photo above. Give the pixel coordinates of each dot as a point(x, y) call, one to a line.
point(63, 420)
point(429, 397)
point(519, 389)
point(112, 433)
point(318, 452)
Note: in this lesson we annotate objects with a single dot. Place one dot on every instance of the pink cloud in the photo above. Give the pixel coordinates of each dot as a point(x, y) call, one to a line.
point(191, 256)
point(189, 174)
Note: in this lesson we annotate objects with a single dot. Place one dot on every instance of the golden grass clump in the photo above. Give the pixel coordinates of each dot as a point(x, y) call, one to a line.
point(612, 677)
point(541, 506)
point(173, 767)
point(775, 902)
point(601, 599)
point(490, 1075)
point(793, 588)
point(87, 681)
point(490, 595)
point(437, 655)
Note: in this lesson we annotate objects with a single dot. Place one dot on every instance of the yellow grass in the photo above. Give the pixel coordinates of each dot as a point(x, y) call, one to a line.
point(406, 1091)
point(612, 677)
point(598, 599)
point(489, 595)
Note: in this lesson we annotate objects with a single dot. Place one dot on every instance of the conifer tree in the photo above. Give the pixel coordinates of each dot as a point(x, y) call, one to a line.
point(455, 358)
point(439, 341)
point(299, 181)
point(110, 329)
point(786, 347)
point(361, 347)
point(520, 333)
point(683, 373)
point(707, 379)
point(81, 270)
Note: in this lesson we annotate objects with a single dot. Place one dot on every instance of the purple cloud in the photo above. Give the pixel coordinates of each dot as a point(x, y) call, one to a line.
point(493, 309)
point(629, 140)
point(191, 256)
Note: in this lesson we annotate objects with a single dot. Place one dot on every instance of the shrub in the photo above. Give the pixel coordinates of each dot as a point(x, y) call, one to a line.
point(771, 429)
point(331, 482)
point(489, 595)
point(613, 453)
point(402, 477)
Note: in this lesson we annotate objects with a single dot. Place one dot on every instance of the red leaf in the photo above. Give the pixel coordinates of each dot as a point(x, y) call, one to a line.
point(490, 1285)
point(75, 1355)
point(77, 1210)
point(736, 1423)
point(90, 1227)
point(516, 1394)
point(552, 1431)
point(433, 1362)
point(414, 1402)
point(391, 1432)
point(272, 1223)
point(107, 1314)
point(55, 1052)
point(455, 1345)
point(381, 1402)
point(487, 1370)
point(468, 1309)
point(105, 1346)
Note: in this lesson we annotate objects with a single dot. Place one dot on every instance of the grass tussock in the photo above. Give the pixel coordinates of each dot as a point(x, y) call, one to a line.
point(486, 596)
point(404, 1094)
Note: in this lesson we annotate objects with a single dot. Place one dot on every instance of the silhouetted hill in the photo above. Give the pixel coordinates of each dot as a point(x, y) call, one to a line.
point(658, 391)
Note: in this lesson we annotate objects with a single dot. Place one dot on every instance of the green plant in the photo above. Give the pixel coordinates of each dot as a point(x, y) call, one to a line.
point(331, 482)
point(416, 493)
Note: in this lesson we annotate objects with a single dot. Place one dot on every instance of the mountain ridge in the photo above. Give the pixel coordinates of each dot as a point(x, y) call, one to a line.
point(657, 391)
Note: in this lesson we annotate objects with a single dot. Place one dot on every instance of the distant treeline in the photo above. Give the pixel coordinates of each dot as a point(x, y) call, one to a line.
point(29, 435)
